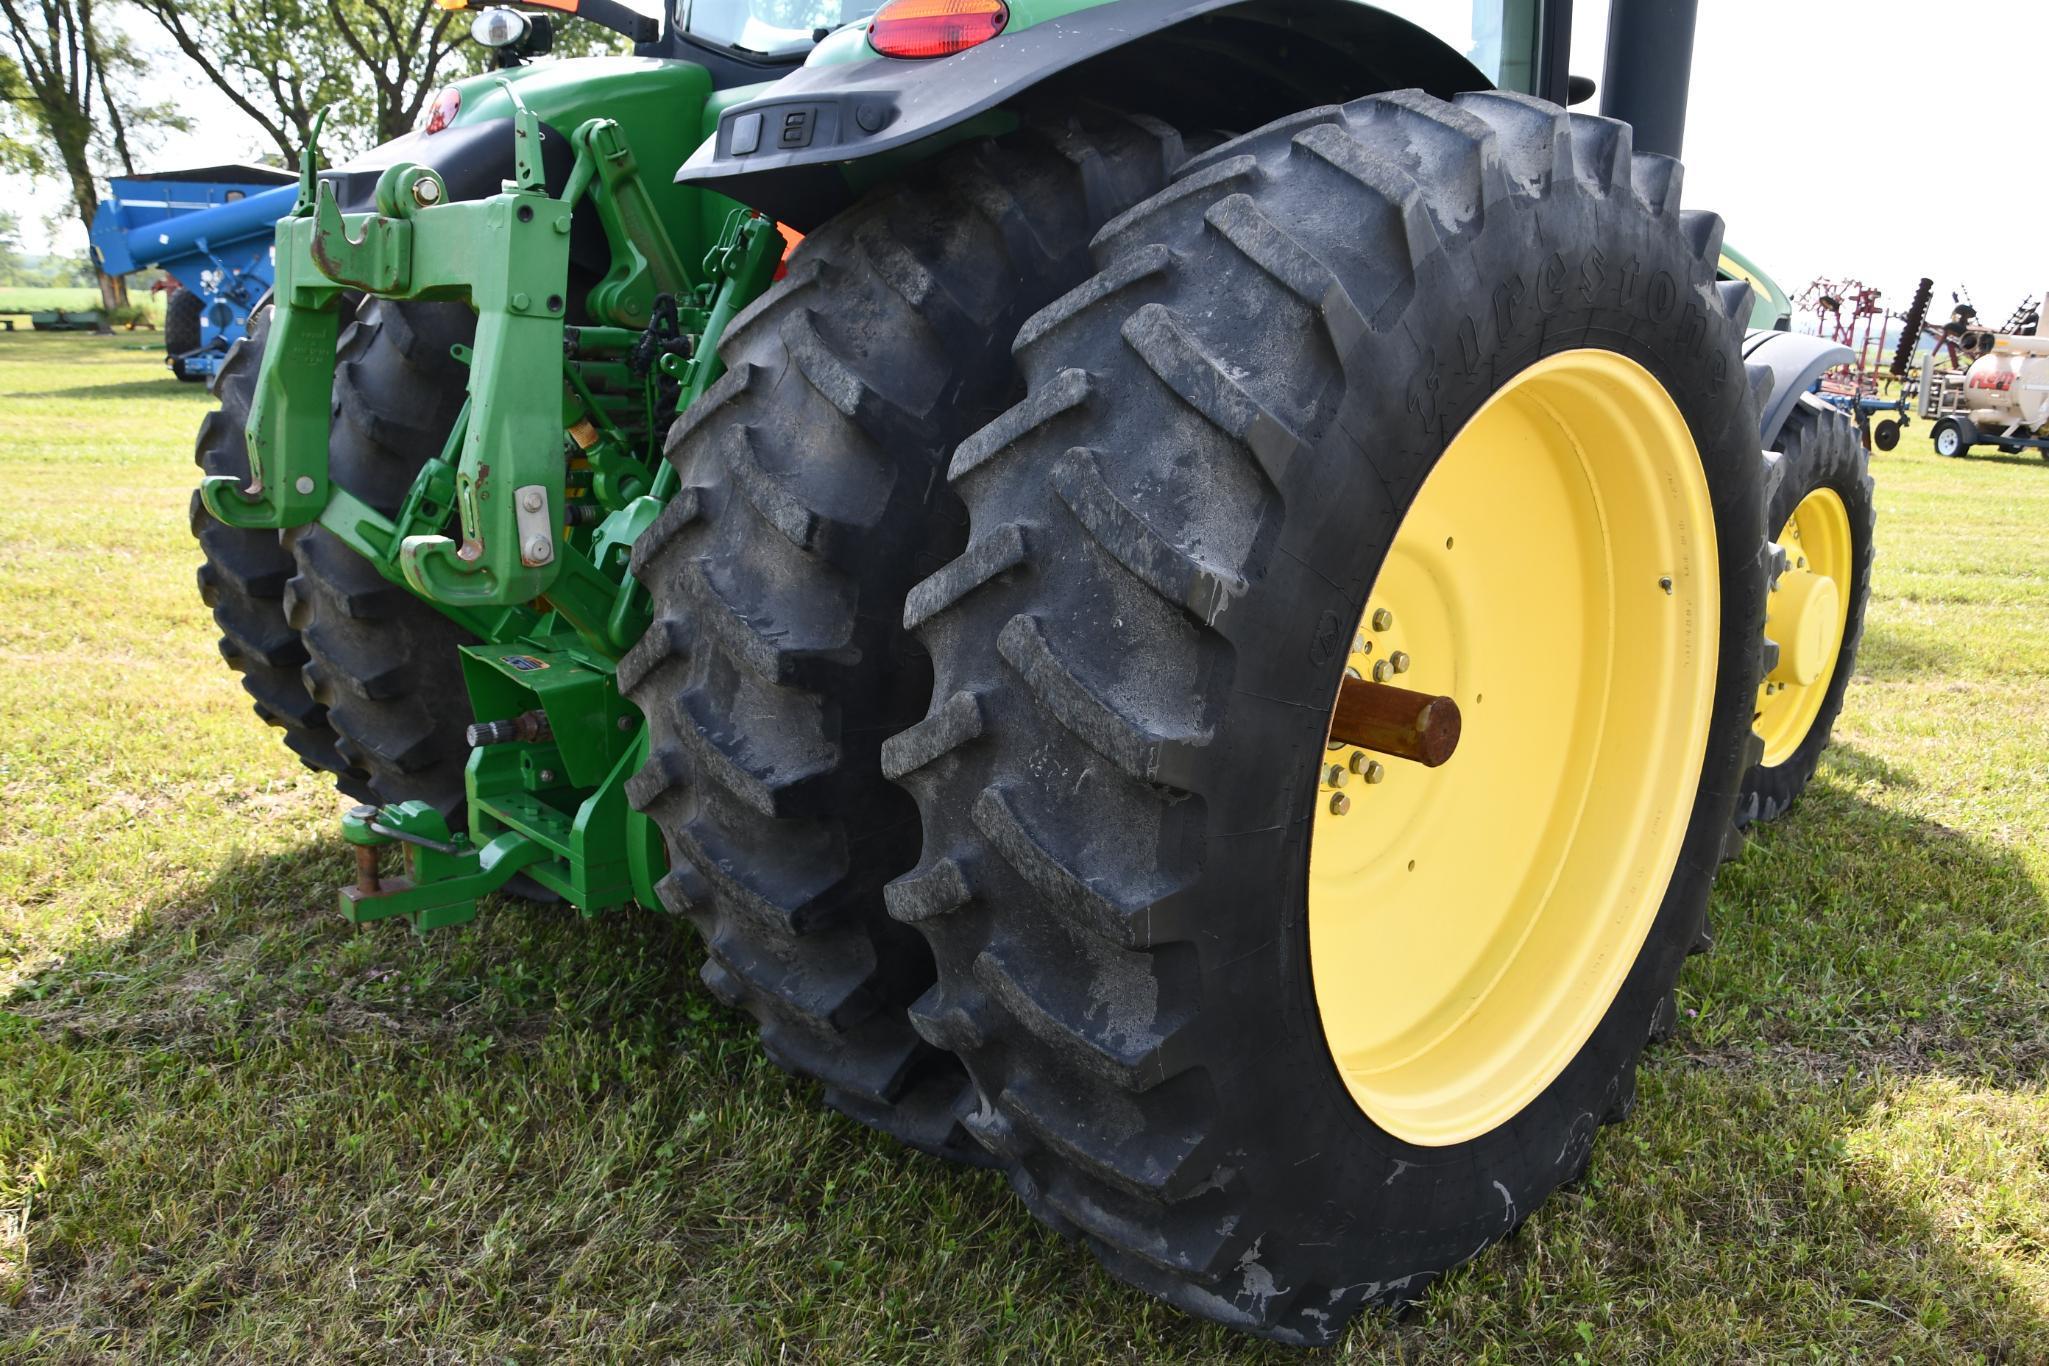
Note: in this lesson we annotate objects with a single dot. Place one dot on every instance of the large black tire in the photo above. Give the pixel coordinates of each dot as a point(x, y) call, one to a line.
point(243, 575)
point(1818, 448)
point(181, 331)
point(1133, 674)
point(382, 662)
point(812, 497)
point(361, 675)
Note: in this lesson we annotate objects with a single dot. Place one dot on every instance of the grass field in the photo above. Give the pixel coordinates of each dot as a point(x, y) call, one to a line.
point(19, 301)
point(231, 1127)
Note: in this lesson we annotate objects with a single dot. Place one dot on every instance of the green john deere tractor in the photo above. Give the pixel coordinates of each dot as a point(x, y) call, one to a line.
point(1189, 594)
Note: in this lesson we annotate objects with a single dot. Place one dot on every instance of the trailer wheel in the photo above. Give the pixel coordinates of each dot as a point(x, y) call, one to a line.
point(181, 331)
point(1437, 395)
point(1822, 514)
point(813, 496)
point(1948, 439)
point(1886, 434)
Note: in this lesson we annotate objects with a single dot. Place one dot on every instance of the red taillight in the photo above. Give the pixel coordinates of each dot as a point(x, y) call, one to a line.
point(442, 112)
point(935, 28)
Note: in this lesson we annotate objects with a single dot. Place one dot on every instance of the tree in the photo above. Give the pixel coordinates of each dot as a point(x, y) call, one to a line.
point(63, 90)
point(376, 62)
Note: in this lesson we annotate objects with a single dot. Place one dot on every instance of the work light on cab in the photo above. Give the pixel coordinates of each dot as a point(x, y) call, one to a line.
point(498, 27)
point(935, 28)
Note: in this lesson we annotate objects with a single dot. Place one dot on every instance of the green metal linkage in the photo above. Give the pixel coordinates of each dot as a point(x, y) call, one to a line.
point(644, 260)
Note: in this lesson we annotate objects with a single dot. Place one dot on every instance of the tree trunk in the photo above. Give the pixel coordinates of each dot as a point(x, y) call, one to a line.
point(113, 295)
point(85, 198)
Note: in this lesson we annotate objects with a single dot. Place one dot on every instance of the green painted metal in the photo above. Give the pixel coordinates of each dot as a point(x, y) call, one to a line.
point(1771, 302)
point(548, 592)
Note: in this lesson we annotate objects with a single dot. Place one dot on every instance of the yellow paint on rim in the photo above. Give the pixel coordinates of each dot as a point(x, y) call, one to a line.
point(1469, 925)
point(1805, 617)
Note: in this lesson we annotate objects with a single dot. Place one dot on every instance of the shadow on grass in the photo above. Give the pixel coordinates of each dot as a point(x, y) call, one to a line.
point(1889, 652)
point(260, 1131)
point(170, 386)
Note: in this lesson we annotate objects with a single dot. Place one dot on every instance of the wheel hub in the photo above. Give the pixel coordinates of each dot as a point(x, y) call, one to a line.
point(1557, 578)
point(1805, 617)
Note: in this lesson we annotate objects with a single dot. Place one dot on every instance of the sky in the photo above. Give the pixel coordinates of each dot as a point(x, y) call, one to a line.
point(1812, 128)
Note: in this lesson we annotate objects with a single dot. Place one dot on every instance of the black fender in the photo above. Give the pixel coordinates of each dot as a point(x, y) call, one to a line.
point(1796, 360)
point(1202, 64)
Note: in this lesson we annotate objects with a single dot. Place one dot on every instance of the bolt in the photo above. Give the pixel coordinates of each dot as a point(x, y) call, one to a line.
point(366, 870)
point(1400, 660)
point(1381, 669)
point(1665, 583)
point(1336, 776)
point(533, 500)
point(1382, 619)
point(547, 775)
point(1374, 771)
point(426, 190)
point(1361, 645)
point(1339, 803)
point(538, 550)
point(520, 301)
point(1359, 761)
point(626, 723)
point(304, 483)
point(562, 224)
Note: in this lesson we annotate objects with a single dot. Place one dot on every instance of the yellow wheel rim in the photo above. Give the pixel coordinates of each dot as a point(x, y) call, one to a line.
point(1805, 617)
point(1469, 925)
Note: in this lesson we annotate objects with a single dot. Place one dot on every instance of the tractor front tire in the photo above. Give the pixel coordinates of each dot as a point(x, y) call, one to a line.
point(813, 495)
point(1406, 391)
point(1822, 513)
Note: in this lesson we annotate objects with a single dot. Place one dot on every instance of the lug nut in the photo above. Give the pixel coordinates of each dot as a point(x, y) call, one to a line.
point(1374, 771)
point(1361, 645)
point(1336, 776)
point(1339, 803)
point(1382, 669)
point(1400, 660)
point(1382, 619)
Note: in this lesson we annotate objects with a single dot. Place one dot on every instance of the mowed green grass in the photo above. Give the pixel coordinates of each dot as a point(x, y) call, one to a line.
point(231, 1127)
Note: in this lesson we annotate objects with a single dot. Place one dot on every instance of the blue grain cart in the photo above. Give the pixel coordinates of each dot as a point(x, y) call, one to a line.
point(210, 229)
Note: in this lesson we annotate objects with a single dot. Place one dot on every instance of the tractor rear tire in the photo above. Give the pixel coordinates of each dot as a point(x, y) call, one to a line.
point(813, 495)
point(1127, 766)
point(382, 662)
point(243, 575)
point(362, 676)
point(1818, 450)
point(181, 331)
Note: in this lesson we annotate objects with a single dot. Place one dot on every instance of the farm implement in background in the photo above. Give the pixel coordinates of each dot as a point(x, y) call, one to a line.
point(209, 229)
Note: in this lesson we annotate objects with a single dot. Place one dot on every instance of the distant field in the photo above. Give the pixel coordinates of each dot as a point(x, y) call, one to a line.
point(32, 299)
point(18, 301)
point(234, 1128)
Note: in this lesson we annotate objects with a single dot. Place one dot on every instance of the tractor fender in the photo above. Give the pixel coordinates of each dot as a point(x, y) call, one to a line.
point(1796, 361)
point(796, 150)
